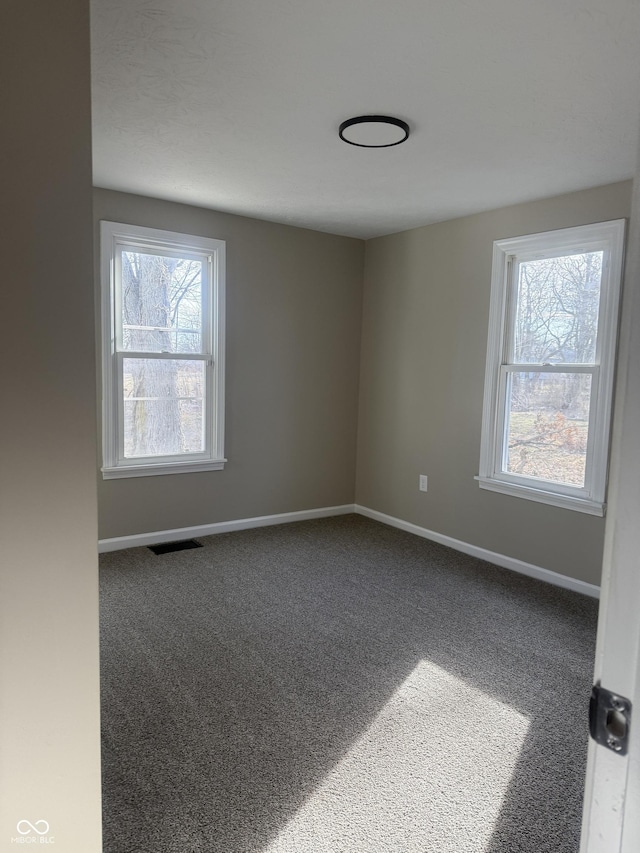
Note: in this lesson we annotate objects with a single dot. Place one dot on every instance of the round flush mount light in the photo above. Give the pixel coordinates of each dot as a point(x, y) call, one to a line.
point(374, 131)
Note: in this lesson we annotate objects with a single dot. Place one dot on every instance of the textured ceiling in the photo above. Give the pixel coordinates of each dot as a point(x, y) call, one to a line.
point(235, 104)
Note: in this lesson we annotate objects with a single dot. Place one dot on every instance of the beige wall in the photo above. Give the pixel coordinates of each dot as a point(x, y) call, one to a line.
point(49, 727)
point(294, 308)
point(294, 302)
point(425, 320)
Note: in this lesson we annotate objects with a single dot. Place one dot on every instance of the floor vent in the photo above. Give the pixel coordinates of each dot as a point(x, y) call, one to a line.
point(168, 547)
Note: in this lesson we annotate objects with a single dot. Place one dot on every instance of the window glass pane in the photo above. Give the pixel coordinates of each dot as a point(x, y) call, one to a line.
point(161, 303)
point(557, 309)
point(163, 407)
point(548, 425)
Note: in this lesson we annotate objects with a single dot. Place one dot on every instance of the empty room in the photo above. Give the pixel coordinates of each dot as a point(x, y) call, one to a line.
point(320, 465)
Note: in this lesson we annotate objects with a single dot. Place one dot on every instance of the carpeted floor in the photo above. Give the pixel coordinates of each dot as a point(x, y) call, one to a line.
point(338, 686)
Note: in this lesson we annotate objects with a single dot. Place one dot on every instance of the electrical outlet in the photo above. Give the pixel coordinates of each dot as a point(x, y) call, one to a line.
point(423, 482)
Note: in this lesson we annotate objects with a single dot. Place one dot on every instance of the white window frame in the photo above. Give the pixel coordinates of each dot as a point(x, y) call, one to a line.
point(114, 237)
point(607, 237)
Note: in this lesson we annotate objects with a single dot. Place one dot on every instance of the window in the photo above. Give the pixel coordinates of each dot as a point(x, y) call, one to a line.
point(550, 365)
point(163, 351)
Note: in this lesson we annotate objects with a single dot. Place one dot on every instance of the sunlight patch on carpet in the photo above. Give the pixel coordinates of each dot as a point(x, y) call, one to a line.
point(429, 774)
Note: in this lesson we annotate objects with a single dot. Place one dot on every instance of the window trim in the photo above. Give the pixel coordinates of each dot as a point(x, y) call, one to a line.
point(112, 236)
point(606, 236)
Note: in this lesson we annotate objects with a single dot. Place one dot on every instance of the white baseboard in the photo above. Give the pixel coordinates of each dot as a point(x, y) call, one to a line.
point(490, 556)
point(159, 536)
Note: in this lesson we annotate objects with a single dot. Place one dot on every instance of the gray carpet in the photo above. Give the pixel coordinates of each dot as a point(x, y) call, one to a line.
point(338, 686)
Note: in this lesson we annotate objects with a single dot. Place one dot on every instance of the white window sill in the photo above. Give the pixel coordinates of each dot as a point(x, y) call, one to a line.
point(156, 469)
point(541, 496)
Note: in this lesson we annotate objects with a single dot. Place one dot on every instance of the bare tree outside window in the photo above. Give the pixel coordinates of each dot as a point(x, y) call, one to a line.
point(162, 313)
point(163, 331)
point(556, 323)
point(550, 365)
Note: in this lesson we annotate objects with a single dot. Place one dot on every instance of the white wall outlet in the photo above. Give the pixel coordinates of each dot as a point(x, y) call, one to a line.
point(423, 482)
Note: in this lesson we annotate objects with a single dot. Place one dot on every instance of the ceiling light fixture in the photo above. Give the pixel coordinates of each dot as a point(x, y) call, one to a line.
point(374, 131)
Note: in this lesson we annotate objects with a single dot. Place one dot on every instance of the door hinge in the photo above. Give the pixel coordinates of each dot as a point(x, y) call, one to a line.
point(609, 719)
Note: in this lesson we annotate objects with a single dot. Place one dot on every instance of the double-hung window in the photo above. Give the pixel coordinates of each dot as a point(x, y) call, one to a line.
point(163, 351)
point(550, 365)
